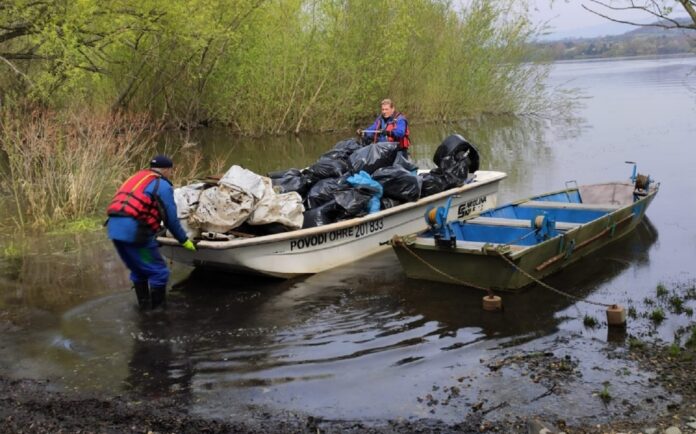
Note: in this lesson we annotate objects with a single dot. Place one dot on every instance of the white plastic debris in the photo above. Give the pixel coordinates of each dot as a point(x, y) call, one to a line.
point(222, 208)
point(240, 196)
point(241, 179)
point(286, 208)
point(186, 199)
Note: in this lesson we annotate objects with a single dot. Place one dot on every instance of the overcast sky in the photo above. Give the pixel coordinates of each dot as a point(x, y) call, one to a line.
point(567, 17)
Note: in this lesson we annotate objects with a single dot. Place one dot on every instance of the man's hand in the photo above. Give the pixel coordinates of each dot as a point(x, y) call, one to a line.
point(188, 245)
point(387, 133)
point(360, 132)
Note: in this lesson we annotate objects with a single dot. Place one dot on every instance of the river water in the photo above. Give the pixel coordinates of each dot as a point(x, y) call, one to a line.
point(362, 341)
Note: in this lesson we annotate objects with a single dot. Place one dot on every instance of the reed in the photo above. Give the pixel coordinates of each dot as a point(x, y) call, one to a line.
point(60, 167)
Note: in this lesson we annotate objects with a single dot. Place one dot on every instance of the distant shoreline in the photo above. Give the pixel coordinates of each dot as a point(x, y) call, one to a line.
point(637, 57)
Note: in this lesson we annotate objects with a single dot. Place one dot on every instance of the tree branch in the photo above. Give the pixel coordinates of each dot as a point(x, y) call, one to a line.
point(16, 70)
point(690, 9)
point(14, 33)
point(658, 13)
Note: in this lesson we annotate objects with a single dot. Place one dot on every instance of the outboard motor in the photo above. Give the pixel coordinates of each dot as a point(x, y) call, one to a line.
point(641, 183)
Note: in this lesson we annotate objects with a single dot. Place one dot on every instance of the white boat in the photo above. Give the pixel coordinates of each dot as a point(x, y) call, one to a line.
point(312, 250)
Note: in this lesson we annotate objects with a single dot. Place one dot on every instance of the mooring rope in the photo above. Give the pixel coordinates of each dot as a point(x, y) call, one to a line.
point(400, 242)
point(551, 288)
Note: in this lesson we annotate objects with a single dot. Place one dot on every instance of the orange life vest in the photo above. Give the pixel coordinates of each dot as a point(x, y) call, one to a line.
point(405, 141)
point(131, 200)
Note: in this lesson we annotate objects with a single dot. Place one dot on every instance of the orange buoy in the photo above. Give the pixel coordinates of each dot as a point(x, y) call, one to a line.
point(616, 316)
point(492, 303)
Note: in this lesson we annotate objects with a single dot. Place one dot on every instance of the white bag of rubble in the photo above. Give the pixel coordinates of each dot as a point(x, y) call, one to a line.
point(286, 209)
point(228, 205)
point(241, 179)
point(186, 199)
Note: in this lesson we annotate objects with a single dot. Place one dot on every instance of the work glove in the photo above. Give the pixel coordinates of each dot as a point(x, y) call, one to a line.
point(359, 131)
point(188, 245)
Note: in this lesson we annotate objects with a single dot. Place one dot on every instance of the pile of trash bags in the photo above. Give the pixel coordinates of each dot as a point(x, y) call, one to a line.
point(350, 180)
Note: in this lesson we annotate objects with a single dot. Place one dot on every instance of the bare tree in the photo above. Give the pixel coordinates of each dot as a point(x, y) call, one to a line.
point(663, 12)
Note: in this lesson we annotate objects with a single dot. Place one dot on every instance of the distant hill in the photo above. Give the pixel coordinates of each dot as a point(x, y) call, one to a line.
point(661, 31)
point(641, 41)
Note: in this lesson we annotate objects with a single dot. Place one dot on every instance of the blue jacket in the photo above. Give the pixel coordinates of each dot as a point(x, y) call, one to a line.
point(380, 123)
point(130, 230)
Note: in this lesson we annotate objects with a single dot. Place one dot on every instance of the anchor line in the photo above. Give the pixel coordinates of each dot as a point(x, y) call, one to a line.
point(400, 242)
point(551, 288)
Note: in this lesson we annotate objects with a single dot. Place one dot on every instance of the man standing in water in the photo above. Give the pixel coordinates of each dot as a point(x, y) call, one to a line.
point(390, 126)
point(135, 215)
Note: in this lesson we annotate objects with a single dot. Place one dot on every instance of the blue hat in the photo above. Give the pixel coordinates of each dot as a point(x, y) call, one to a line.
point(161, 161)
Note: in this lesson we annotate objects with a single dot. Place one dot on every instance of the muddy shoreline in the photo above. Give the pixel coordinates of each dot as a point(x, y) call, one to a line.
point(34, 406)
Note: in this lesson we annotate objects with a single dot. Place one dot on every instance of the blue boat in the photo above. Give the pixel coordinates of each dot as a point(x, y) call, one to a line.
point(514, 245)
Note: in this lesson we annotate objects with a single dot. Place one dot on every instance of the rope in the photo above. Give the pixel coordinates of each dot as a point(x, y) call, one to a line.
point(551, 288)
point(400, 242)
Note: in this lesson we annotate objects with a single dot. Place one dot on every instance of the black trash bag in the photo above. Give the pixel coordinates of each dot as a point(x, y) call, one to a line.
point(388, 202)
point(290, 182)
point(433, 183)
point(283, 173)
point(398, 183)
point(405, 162)
point(373, 156)
point(321, 215)
point(323, 191)
point(336, 154)
point(458, 147)
point(348, 146)
point(353, 201)
point(327, 168)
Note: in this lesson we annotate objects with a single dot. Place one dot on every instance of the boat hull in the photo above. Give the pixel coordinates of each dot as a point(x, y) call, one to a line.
point(313, 250)
point(487, 268)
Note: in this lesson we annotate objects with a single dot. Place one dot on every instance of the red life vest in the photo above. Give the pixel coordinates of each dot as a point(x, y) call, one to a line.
point(405, 141)
point(131, 200)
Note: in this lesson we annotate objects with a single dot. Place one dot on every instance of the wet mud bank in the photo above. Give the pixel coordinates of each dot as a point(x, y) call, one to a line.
point(32, 406)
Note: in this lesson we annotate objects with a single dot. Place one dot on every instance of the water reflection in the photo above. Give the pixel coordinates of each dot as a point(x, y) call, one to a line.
point(506, 143)
point(55, 273)
point(532, 312)
point(228, 337)
point(156, 368)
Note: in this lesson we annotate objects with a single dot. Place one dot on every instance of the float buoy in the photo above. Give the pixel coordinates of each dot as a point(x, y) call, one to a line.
point(616, 316)
point(492, 303)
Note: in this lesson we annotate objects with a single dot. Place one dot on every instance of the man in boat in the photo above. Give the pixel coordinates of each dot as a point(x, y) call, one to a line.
point(390, 126)
point(135, 216)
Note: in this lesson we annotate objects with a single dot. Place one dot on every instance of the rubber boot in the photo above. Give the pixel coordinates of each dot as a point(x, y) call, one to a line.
point(142, 292)
point(158, 296)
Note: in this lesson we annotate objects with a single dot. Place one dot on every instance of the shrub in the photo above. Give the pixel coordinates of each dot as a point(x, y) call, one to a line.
point(60, 167)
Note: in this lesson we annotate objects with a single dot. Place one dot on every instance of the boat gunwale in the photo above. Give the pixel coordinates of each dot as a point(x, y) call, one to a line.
point(301, 233)
point(521, 250)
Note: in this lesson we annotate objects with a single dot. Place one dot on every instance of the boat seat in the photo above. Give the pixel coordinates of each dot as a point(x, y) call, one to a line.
point(469, 245)
point(570, 205)
point(519, 223)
